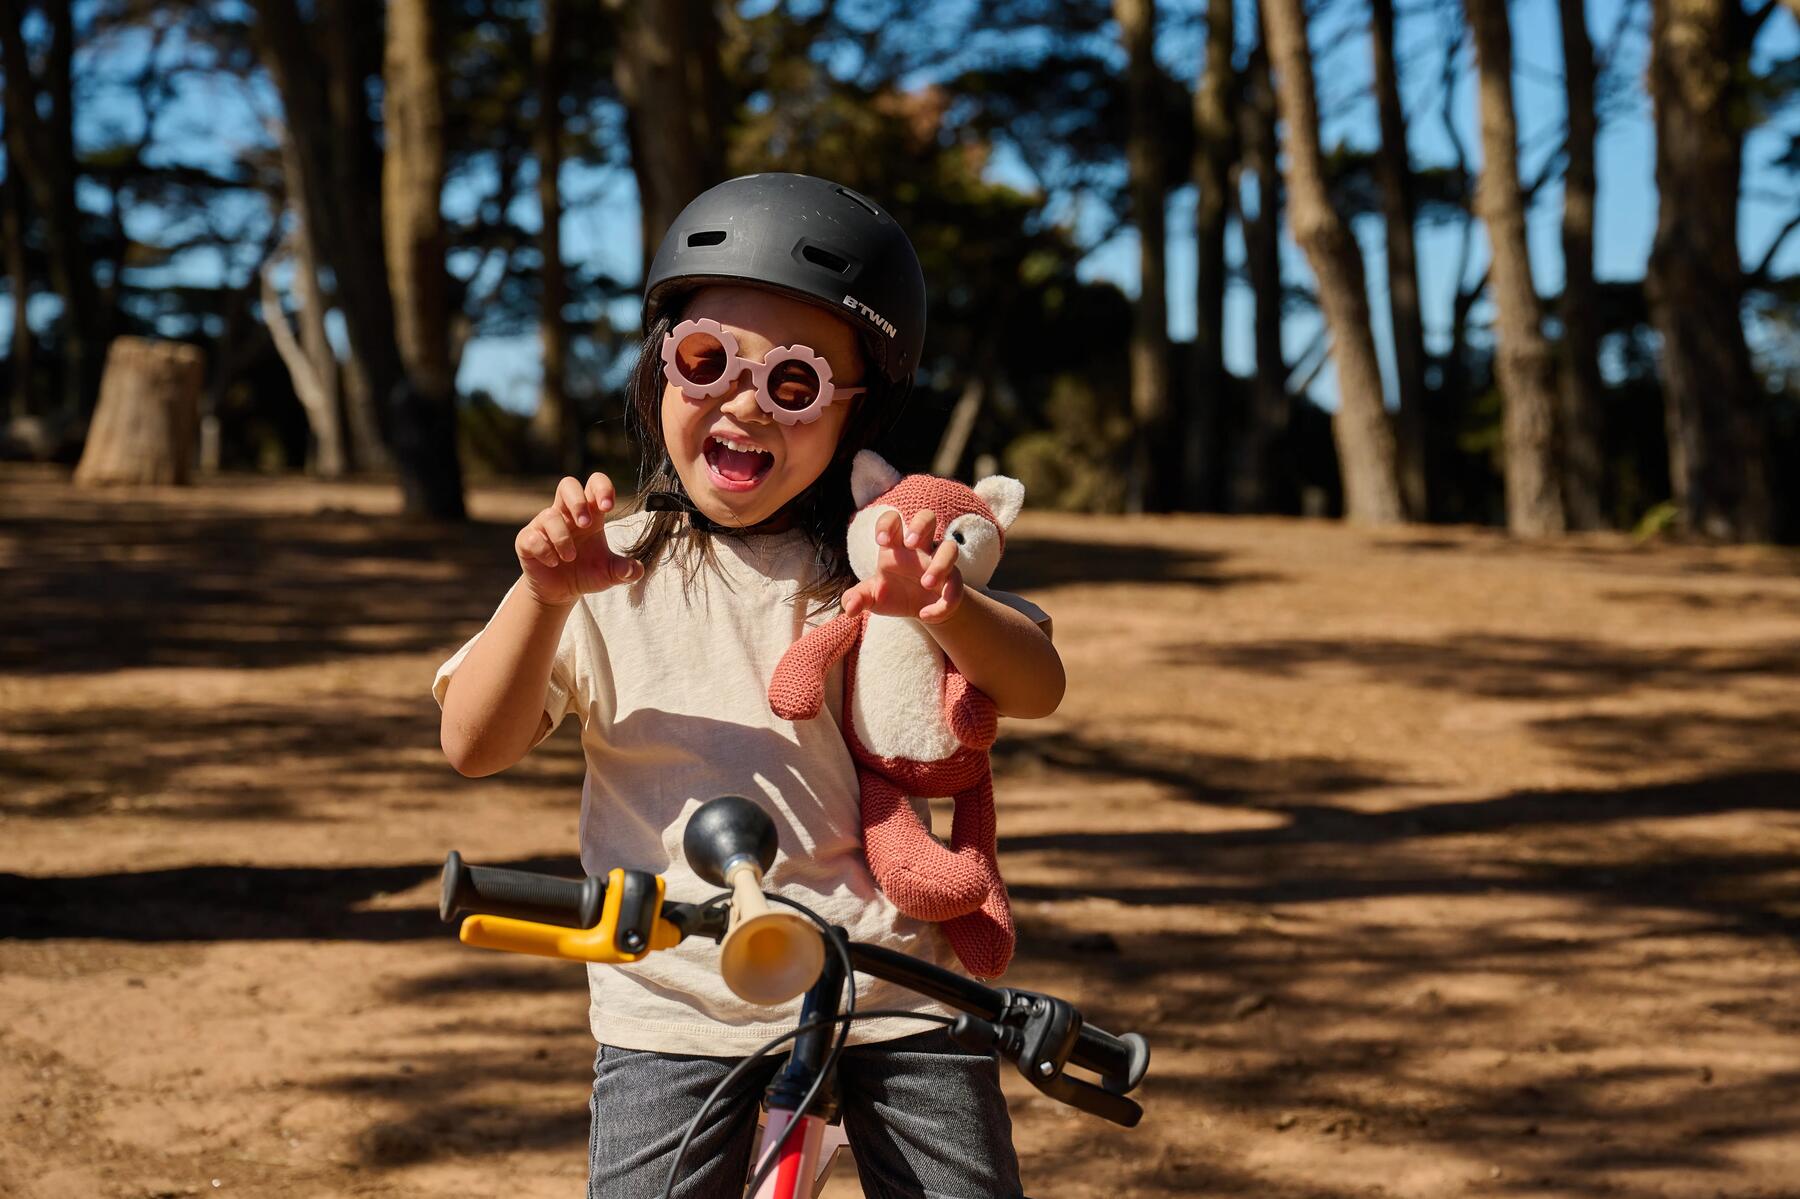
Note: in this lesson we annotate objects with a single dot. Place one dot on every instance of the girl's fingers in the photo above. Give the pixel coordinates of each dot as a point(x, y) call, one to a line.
point(600, 493)
point(953, 589)
point(533, 544)
point(921, 527)
point(940, 564)
point(938, 612)
point(556, 528)
point(572, 502)
point(623, 569)
point(887, 528)
point(852, 601)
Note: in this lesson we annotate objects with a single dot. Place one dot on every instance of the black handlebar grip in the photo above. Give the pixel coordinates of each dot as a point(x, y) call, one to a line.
point(493, 891)
point(1119, 1061)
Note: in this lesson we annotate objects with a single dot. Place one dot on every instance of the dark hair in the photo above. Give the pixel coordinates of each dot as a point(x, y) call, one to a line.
point(822, 511)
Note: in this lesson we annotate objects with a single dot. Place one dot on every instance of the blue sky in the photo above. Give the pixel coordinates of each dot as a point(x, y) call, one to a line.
point(212, 118)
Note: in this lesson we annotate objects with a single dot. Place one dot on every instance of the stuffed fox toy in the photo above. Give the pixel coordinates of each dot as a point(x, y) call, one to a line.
point(914, 725)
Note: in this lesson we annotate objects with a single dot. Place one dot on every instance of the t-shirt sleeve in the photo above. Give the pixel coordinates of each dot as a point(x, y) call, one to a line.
point(1019, 603)
point(559, 695)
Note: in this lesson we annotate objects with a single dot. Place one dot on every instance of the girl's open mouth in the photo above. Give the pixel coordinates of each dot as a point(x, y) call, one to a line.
point(736, 466)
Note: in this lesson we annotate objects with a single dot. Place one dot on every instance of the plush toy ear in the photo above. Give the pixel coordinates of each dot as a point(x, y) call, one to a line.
point(870, 476)
point(1005, 496)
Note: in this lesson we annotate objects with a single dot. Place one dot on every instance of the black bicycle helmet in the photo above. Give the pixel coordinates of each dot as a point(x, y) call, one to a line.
point(809, 237)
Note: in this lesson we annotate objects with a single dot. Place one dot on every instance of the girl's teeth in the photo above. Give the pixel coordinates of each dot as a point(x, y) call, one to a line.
point(740, 447)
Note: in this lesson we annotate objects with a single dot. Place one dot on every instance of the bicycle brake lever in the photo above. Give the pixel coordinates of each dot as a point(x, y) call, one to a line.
point(1036, 1032)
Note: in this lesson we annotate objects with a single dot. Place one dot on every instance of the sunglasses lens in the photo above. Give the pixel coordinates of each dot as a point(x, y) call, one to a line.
point(700, 358)
point(793, 385)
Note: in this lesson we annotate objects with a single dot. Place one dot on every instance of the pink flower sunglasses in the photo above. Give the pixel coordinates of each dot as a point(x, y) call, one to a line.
point(793, 384)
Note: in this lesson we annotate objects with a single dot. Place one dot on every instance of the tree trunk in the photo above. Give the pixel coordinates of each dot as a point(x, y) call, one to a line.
point(311, 362)
point(412, 185)
point(310, 388)
point(353, 48)
point(668, 74)
point(18, 270)
point(42, 148)
point(358, 433)
point(1146, 482)
point(1365, 440)
point(1215, 147)
point(321, 73)
point(412, 188)
point(1260, 479)
point(1583, 458)
point(553, 427)
point(146, 423)
point(955, 441)
point(1522, 363)
point(1393, 168)
point(1715, 412)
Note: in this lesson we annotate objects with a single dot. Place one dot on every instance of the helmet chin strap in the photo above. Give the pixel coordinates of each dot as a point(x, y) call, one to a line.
point(675, 501)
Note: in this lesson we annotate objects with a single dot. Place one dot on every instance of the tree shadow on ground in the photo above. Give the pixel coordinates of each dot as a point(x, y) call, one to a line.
point(125, 582)
point(1737, 602)
point(241, 761)
point(129, 582)
point(522, 1092)
point(1505, 667)
point(1677, 561)
point(1603, 740)
point(1569, 1132)
point(1194, 775)
point(1035, 563)
point(1292, 1012)
point(233, 903)
point(1343, 1088)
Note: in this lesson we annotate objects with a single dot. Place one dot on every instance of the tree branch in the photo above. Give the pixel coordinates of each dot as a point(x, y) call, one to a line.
point(1761, 273)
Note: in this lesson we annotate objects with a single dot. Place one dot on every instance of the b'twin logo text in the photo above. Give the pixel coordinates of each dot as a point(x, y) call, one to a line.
point(881, 322)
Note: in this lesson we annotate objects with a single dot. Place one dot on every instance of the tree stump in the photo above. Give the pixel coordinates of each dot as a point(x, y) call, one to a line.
point(147, 421)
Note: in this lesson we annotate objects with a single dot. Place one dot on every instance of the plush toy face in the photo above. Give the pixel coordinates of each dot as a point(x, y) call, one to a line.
point(976, 518)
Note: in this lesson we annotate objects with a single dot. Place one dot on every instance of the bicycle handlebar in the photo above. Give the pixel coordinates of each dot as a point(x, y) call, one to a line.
point(1120, 1060)
point(520, 894)
point(592, 921)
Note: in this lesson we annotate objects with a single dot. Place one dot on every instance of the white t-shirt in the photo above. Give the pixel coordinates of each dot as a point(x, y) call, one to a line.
point(669, 679)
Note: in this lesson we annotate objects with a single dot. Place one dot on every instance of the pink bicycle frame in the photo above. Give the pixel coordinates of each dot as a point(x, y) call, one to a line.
point(806, 1158)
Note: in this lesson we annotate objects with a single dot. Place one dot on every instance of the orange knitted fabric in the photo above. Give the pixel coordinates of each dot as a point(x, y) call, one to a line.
point(959, 884)
point(947, 498)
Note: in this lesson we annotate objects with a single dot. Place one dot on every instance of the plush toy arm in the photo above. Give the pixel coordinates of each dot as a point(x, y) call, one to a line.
point(969, 713)
point(797, 691)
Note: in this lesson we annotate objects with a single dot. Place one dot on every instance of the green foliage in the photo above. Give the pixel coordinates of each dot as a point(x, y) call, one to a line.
point(492, 440)
point(1003, 295)
point(1660, 521)
point(1076, 463)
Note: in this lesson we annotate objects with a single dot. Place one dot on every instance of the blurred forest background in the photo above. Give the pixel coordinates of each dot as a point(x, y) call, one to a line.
point(1384, 266)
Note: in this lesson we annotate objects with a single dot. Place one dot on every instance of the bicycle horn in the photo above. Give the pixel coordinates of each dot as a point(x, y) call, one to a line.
point(767, 957)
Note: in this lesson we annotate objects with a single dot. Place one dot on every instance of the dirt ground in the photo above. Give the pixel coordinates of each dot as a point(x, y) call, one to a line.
point(1430, 862)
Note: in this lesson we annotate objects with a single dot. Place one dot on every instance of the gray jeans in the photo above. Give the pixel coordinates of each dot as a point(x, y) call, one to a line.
point(925, 1117)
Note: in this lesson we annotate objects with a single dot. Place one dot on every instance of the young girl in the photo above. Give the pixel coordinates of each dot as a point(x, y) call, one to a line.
point(784, 317)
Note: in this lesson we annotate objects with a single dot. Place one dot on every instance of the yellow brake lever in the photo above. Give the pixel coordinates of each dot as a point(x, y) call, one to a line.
point(596, 944)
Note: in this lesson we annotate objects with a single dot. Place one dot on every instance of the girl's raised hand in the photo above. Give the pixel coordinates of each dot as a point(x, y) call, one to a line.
point(563, 549)
point(912, 576)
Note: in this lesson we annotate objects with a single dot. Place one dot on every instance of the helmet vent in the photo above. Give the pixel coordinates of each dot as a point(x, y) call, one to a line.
point(824, 258)
point(708, 237)
point(848, 194)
